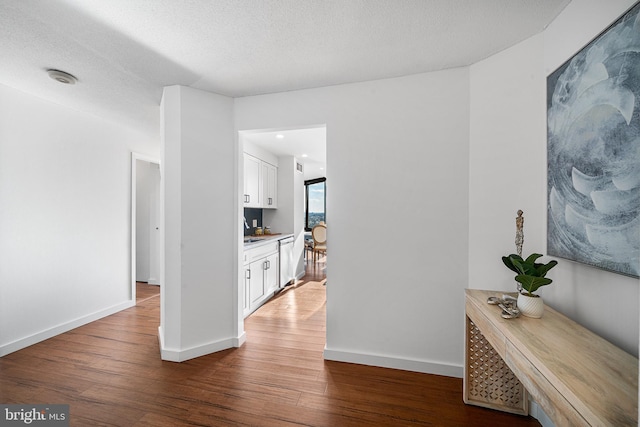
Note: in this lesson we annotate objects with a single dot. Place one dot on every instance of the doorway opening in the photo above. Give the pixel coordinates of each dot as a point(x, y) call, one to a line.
point(145, 227)
point(299, 156)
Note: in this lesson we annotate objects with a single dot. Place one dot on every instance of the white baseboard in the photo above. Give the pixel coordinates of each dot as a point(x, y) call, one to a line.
point(160, 339)
point(62, 328)
point(423, 366)
point(182, 355)
point(240, 340)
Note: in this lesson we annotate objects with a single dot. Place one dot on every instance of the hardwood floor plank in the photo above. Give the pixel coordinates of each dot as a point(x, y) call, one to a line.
point(145, 291)
point(158, 420)
point(231, 388)
point(110, 373)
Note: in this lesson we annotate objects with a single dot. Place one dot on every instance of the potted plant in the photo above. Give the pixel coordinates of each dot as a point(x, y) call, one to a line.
point(531, 276)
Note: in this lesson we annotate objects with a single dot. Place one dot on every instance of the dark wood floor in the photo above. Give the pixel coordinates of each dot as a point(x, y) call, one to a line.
point(110, 373)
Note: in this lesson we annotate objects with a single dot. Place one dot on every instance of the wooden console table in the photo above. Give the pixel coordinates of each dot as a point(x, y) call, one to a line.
point(576, 377)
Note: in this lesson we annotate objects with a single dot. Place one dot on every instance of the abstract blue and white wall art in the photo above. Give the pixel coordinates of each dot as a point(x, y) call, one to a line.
point(593, 131)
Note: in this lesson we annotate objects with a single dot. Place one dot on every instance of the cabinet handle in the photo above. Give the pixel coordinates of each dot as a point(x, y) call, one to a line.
point(264, 266)
point(247, 198)
point(270, 201)
point(248, 275)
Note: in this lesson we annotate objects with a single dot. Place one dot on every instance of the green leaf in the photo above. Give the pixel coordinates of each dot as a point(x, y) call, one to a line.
point(542, 269)
point(532, 283)
point(507, 261)
point(517, 264)
point(531, 259)
point(523, 267)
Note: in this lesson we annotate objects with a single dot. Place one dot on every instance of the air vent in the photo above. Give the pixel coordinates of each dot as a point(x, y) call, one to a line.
point(299, 166)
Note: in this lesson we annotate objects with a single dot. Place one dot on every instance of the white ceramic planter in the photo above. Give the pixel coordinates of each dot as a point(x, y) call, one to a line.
point(530, 306)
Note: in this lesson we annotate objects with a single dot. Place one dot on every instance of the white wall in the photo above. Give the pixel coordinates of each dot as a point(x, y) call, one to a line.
point(508, 172)
point(199, 292)
point(298, 217)
point(259, 152)
point(65, 203)
point(397, 181)
point(507, 160)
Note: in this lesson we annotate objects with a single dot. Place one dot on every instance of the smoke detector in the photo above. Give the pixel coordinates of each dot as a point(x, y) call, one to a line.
point(62, 77)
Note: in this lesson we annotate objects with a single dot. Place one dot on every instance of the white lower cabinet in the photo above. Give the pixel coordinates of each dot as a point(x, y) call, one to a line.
point(272, 273)
point(256, 282)
point(261, 275)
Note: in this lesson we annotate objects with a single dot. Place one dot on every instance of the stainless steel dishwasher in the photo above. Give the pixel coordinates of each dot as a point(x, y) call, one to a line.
point(287, 267)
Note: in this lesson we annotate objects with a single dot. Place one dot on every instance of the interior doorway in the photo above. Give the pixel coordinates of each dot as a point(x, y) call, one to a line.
point(145, 221)
point(299, 154)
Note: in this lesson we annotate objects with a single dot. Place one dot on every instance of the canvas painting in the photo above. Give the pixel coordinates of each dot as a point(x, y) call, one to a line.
point(593, 131)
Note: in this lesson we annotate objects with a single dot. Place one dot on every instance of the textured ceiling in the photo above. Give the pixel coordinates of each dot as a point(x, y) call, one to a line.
point(124, 51)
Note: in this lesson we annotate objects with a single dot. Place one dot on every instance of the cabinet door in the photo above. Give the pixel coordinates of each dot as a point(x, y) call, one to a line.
point(272, 273)
point(270, 183)
point(256, 285)
point(252, 182)
point(247, 286)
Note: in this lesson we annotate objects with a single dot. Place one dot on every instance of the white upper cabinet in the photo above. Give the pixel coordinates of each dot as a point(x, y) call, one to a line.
point(252, 182)
point(270, 187)
point(260, 183)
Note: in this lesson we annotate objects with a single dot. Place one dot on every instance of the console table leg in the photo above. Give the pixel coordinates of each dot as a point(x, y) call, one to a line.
point(488, 381)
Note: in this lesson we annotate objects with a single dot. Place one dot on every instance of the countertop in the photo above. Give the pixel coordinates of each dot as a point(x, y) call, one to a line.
point(251, 242)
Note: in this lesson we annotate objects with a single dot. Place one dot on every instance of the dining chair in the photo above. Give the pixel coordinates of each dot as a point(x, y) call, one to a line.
point(319, 235)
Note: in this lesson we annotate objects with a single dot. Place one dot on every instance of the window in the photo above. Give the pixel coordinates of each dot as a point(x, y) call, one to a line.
point(315, 202)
